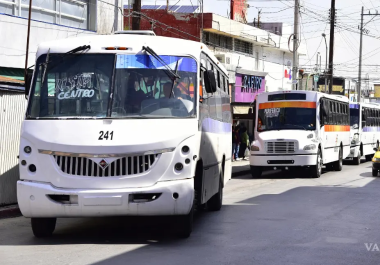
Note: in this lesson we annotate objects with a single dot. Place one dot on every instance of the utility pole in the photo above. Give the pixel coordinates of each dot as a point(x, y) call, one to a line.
point(27, 41)
point(361, 48)
point(360, 58)
point(232, 7)
point(167, 5)
point(295, 44)
point(316, 73)
point(137, 16)
point(331, 55)
point(201, 1)
point(324, 36)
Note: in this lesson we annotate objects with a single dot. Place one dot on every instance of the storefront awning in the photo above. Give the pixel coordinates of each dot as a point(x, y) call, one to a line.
point(249, 72)
point(240, 109)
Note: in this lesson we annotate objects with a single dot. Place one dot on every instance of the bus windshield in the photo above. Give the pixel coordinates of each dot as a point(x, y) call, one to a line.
point(354, 118)
point(112, 86)
point(286, 119)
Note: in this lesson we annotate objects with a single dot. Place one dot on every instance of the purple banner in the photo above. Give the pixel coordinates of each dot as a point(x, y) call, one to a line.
point(247, 87)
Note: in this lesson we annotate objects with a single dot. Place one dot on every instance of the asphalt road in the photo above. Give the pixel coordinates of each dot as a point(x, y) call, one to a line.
point(278, 219)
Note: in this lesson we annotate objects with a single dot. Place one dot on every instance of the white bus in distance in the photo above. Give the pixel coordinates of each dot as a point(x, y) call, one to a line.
point(300, 129)
point(124, 125)
point(365, 130)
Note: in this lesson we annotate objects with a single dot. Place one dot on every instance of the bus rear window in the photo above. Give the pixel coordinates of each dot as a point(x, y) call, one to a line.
point(290, 96)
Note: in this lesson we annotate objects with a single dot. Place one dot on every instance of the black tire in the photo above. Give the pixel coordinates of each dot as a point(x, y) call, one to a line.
point(185, 224)
point(374, 172)
point(43, 227)
point(215, 202)
point(316, 171)
point(256, 171)
point(357, 159)
point(368, 158)
point(338, 165)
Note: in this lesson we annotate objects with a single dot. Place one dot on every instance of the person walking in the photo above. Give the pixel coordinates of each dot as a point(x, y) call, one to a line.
point(243, 143)
point(235, 143)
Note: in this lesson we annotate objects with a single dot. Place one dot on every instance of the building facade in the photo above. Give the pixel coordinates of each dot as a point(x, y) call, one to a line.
point(242, 48)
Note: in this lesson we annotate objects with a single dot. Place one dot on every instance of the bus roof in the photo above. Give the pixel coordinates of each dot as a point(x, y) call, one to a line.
point(134, 43)
point(308, 94)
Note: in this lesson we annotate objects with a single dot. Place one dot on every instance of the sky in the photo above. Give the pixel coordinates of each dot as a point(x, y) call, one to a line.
point(314, 22)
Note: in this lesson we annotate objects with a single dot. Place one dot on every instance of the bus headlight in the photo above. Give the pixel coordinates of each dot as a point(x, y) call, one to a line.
point(310, 147)
point(255, 148)
point(27, 149)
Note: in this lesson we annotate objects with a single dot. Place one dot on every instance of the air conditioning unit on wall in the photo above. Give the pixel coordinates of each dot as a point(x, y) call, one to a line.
point(222, 58)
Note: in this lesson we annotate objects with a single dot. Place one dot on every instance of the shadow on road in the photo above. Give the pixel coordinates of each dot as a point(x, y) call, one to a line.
point(328, 224)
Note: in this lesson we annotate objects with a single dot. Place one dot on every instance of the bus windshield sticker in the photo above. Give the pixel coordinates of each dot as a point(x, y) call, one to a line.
point(271, 113)
point(77, 86)
point(141, 61)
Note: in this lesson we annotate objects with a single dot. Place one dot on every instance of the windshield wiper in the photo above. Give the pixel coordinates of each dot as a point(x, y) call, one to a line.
point(47, 61)
point(171, 91)
point(173, 75)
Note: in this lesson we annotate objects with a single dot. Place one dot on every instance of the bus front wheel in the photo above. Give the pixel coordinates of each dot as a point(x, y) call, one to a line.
point(338, 165)
point(43, 227)
point(256, 171)
point(316, 171)
point(215, 202)
point(357, 159)
point(185, 224)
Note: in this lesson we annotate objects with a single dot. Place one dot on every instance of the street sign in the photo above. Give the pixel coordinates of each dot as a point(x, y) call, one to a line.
point(316, 78)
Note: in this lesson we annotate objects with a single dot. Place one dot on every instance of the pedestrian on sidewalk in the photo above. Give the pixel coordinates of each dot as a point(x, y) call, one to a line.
point(235, 144)
point(244, 141)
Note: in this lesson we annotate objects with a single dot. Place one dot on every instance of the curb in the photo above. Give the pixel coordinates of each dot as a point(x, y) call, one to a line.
point(10, 211)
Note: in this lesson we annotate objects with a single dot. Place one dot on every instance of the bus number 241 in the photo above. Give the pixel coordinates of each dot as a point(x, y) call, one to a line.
point(105, 135)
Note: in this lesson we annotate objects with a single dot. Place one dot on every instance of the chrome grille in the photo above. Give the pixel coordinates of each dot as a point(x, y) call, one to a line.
point(124, 166)
point(280, 147)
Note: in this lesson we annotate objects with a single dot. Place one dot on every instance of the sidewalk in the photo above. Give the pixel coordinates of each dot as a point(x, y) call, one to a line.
point(240, 168)
point(9, 211)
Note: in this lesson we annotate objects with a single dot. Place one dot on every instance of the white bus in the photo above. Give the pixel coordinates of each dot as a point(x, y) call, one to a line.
point(365, 133)
point(298, 129)
point(124, 124)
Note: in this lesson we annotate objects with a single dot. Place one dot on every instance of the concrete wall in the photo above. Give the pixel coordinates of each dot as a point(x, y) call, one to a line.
point(12, 106)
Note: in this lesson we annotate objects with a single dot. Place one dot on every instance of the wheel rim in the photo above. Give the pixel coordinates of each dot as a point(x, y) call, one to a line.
point(319, 164)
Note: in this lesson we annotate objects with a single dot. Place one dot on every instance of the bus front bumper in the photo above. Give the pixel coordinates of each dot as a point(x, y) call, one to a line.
point(38, 199)
point(283, 160)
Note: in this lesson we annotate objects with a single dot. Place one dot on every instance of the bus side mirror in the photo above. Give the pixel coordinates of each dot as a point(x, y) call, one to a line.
point(210, 81)
point(28, 81)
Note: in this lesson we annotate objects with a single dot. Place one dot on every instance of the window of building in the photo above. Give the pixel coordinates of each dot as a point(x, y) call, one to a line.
point(218, 40)
point(72, 13)
point(243, 46)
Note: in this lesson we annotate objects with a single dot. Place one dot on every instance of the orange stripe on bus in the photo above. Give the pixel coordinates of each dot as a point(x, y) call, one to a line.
point(288, 104)
point(337, 128)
